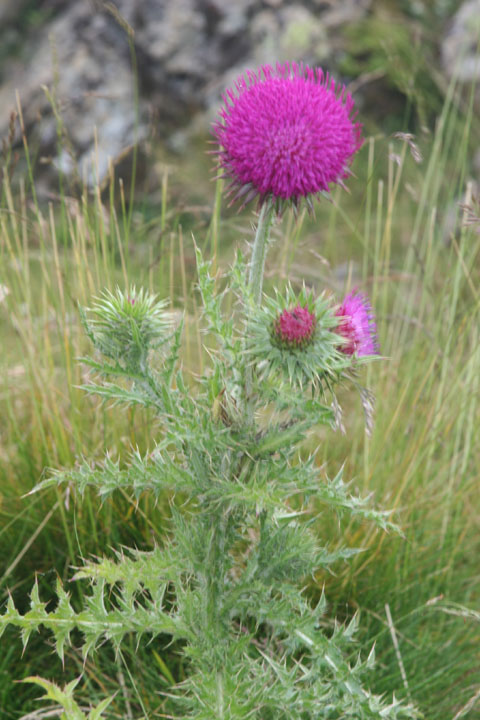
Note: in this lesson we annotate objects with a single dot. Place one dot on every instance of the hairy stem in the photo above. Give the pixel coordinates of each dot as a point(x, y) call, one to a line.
point(220, 698)
point(259, 252)
point(255, 282)
point(212, 577)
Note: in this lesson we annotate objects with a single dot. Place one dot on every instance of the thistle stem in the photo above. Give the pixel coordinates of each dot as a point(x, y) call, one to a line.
point(255, 283)
point(259, 252)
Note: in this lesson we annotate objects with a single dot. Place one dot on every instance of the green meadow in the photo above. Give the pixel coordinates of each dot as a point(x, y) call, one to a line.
point(408, 234)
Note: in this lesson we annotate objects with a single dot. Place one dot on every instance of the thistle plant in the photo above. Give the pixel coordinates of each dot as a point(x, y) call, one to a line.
point(229, 583)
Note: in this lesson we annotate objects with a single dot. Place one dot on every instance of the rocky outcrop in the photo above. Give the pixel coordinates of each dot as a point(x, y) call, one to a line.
point(460, 47)
point(74, 73)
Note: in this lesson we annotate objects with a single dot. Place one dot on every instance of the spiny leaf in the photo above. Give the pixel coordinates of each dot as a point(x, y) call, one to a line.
point(63, 697)
point(97, 712)
point(66, 700)
point(95, 621)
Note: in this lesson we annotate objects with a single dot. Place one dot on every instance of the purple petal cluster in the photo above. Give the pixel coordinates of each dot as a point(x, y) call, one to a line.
point(357, 325)
point(294, 328)
point(286, 133)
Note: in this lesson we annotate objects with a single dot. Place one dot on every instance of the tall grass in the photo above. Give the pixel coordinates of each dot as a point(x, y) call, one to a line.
point(408, 244)
point(421, 264)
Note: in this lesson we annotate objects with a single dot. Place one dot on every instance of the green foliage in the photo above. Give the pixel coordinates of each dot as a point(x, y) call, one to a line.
point(66, 700)
point(101, 619)
point(421, 270)
point(321, 363)
point(226, 585)
point(400, 54)
point(124, 327)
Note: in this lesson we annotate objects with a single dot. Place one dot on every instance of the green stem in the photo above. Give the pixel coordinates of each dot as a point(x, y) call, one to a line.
point(214, 573)
point(259, 252)
point(220, 697)
point(255, 283)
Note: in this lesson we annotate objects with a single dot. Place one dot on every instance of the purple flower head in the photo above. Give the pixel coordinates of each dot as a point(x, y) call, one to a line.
point(357, 325)
point(294, 328)
point(286, 133)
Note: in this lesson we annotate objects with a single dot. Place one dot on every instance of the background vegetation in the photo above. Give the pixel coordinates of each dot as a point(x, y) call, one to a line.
point(409, 235)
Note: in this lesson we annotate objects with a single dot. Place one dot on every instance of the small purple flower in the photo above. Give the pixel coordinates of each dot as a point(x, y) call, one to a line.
point(286, 133)
point(357, 325)
point(294, 328)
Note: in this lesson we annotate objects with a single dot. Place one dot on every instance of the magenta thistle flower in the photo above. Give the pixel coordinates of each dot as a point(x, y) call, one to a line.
point(287, 133)
point(357, 325)
point(294, 328)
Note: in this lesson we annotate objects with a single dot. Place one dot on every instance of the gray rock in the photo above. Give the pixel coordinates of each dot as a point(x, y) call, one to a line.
point(347, 11)
point(188, 52)
point(304, 34)
point(10, 10)
point(460, 50)
point(81, 67)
